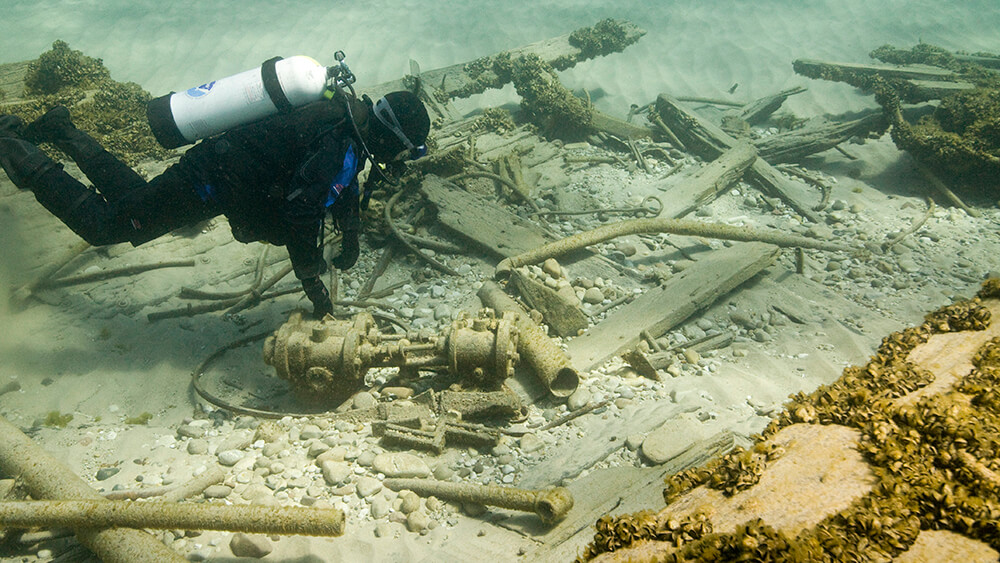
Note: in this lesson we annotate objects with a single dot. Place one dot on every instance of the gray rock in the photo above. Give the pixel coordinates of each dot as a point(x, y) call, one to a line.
point(335, 472)
point(551, 267)
point(672, 438)
point(579, 399)
point(531, 443)
point(230, 458)
point(443, 473)
point(380, 507)
point(400, 464)
point(593, 296)
point(368, 486)
point(244, 545)
point(366, 458)
point(239, 440)
point(310, 432)
point(318, 448)
point(416, 522)
point(218, 491)
point(442, 312)
point(409, 502)
point(107, 473)
point(626, 248)
point(188, 431)
point(197, 447)
point(634, 442)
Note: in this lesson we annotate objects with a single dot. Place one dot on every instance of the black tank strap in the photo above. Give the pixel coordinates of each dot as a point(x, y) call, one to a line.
point(269, 75)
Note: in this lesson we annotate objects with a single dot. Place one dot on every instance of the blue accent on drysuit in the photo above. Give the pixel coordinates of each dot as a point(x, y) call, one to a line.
point(345, 177)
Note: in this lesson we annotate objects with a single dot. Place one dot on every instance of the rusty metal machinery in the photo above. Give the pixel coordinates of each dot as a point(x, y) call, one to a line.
point(328, 359)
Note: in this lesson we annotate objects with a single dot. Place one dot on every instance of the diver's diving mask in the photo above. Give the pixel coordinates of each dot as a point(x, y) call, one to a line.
point(385, 115)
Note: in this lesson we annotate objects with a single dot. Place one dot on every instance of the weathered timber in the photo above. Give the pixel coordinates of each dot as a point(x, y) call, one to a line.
point(564, 318)
point(461, 80)
point(812, 67)
point(816, 137)
point(759, 110)
point(12, 81)
point(709, 182)
point(658, 310)
point(708, 141)
point(497, 231)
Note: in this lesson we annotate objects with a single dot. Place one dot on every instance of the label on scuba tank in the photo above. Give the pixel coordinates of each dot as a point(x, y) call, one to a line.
point(199, 91)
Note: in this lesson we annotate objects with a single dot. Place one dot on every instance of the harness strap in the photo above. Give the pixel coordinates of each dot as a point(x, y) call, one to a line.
point(269, 75)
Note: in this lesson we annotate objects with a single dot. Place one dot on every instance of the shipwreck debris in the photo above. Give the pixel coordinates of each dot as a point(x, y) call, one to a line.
point(551, 505)
point(329, 358)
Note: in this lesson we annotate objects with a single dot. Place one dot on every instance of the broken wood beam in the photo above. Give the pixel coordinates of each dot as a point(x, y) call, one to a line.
point(821, 69)
point(759, 110)
point(709, 182)
point(661, 309)
point(475, 77)
point(795, 145)
point(707, 140)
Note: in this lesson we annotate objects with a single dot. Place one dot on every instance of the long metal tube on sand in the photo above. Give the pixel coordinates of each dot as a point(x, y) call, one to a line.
point(45, 477)
point(551, 505)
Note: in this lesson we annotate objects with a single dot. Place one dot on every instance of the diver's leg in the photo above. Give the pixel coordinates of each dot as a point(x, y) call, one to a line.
point(110, 176)
point(165, 203)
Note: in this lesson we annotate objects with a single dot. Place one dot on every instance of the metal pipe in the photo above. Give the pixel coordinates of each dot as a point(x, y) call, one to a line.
point(551, 505)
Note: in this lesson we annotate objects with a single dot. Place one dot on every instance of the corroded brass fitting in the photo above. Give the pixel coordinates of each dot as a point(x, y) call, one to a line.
point(329, 358)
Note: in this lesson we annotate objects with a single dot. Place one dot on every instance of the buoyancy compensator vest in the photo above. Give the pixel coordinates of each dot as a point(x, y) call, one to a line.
point(278, 85)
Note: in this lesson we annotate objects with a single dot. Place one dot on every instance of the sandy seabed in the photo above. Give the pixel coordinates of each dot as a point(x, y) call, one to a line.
point(90, 351)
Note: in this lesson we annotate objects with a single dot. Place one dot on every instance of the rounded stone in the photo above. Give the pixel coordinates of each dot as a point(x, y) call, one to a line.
point(409, 502)
point(230, 458)
point(189, 431)
point(368, 486)
point(579, 399)
point(335, 472)
point(197, 447)
point(245, 545)
point(531, 443)
point(217, 491)
point(416, 522)
point(364, 400)
point(380, 507)
point(593, 296)
point(400, 464)
point(551, 267)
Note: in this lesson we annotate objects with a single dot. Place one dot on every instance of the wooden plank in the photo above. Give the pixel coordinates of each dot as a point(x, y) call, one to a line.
point(661, 309)
point(708, 141)
point(812, 67)
point(457, 80)
point(481, 221)
point(709, 182)
point(816, 136)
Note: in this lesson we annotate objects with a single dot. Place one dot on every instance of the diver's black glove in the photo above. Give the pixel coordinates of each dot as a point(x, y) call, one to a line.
point(349, 251)
point(320, 297)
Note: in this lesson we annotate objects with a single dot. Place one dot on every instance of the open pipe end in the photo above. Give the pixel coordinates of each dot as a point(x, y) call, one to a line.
point(553, 504)
point(565, 382)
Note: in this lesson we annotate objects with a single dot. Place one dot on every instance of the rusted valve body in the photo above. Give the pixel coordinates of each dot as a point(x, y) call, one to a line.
point(329, 358)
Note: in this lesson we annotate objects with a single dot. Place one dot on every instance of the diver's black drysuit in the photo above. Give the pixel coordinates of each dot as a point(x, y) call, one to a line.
point(273, 179)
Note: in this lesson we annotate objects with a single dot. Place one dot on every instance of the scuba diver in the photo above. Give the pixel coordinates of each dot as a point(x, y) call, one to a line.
point(275, 179)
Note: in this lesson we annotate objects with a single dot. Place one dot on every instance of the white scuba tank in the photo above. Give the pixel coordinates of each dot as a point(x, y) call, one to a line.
point(278, 85)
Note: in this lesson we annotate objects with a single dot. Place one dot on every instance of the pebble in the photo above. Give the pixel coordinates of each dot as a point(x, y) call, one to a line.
point(269, 431)
point(443, 473)
point(189, 431)
point(310, 432)
point(531, 443)
point(434, 504)
point(398, 392)
point(245, 545)
point(368, 486)
point(237, 441)
point(380, 507)
point(218, 491)
point(366, 459)
point(197, 447)
point(634, 441)
point(579, 399)
point(400, 464)
point(551, 267)
point(908, 266)
point(593, 296)
point(230, 458)
point(382, 530)
point(409, 502)
point(416, 522)
point(626, 248)
point(107, 472)
point(335, 472)
point(442, 312)
point(318, 448)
